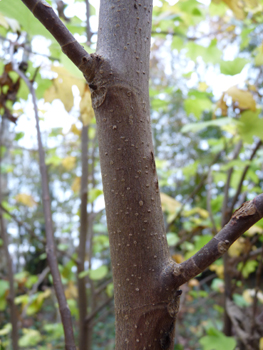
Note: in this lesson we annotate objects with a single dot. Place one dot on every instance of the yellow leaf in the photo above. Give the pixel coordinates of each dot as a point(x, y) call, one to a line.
point(69, 162)
point(197, 210)
point(62, 87)
point(219, 270)
point(86, 110)
point(75, 130)
point(170, 206)
point(76, 184)
point(193, 283)
point(237, 6)
point(261, 343)
point(71, 291)
point(237, 247)
point(247, 295)
point(3, 22)
point(253, 230)
point(243, 99)
point(25, 199)
point(202, 86)
point(222, 105)
point(231, 28)
point(178, 258)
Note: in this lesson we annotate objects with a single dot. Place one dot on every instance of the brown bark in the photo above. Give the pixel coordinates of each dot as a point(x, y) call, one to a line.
point(145, 279)
point(84, 335)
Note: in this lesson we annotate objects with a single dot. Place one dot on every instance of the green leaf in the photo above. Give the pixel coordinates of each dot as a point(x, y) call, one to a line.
point(249, 268)
point(250, 125)
point(177, 43)
point(6, 329)
point(172, 239)
point(19, 136)
point(110, 289)
point(100, 228)
point(83, 273)
point(29, 23)
point(94, 193)
point(210, 54)
point(99, 273)
point(196, 127)
point(239, 300)
point(216, 340)
point(31, 337)
point(4, 286)
point(197, 106)
point(233, 67)
point(217, 9)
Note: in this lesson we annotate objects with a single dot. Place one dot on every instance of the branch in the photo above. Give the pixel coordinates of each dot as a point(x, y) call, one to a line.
point(243, 218)
point(10, 272)
point(259, 143)
point(11, 296)
point(86, 63)
point(98, 309)
point(50, 248)
point(82, 293)
point(40, 279)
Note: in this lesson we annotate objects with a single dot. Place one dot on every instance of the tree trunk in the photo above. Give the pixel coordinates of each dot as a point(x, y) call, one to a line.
point(139, 249)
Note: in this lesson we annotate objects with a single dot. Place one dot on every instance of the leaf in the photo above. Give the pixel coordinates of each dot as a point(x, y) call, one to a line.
point(110, 289)
point(27, 20)
point(196, 127)
point(239, 300)
point(99, 273)
point(233, 67)
point(169, 205)
point(216, 340)
point(249, 268)
point(177, 43)
point(4, 287)
point(237, 248)
point(69, 163)
point(76, 184)
point(217, 8)
point(62, 87)
point(86, 110)
point(197, 106)
point(94, 193)
point(243, 99)
point(30, 337)
point(172, 239)
point(25, 199)
point(250, 126)
point(196, 210)
point(75, 130)
point(210, 54)
point(95, 275)
point(71, 291)
point(6, 329)
point(237, 7)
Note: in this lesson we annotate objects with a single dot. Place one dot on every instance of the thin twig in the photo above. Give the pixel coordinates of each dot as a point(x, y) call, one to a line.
point(98, 309)
point(208, 202)
point(50, 248)
point(10, 272)
point(239, 188)
point(40, 279)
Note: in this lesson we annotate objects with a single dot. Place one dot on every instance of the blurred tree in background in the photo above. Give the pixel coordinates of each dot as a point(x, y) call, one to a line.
point(206, 109)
